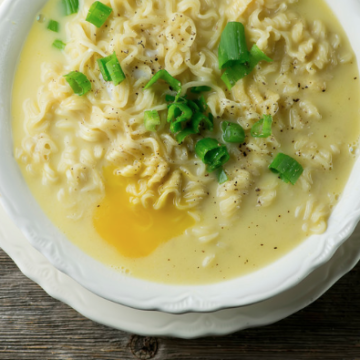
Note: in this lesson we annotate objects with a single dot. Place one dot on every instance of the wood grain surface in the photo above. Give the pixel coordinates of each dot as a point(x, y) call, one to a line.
point(36, 327)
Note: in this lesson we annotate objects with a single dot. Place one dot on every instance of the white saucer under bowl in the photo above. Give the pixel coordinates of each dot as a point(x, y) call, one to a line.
point(60, 286)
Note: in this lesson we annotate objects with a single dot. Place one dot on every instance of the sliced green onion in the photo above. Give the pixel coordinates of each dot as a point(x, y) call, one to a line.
point(151, 120)
point(233, 49)
point(53, 26)
point(102, 65)
point(70, 6)
point(213, 154)
point(221, 176)
point(288, 168)
point(178, 97)
point(98, 14)
point(201, 103)
point(78, 82)
point(238, 71)
point(198, 119)
point(164, 75)
point(179, 113)
point(59, 44)
point(211, 117)
point(180, 137)
point(232, 132)
point(256, 55)
point(111, 70)
point(115, 71)
point(200, 89)
point(170, 98)
point(235, 73)
point(193, 106)
point(175, 112)
point(262, 129)
point(175, 127)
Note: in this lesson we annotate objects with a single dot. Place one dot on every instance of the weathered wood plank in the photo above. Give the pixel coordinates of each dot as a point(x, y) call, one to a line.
point(34, 326)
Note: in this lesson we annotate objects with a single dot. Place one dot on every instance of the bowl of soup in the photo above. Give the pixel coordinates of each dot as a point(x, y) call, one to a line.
point(181, 155)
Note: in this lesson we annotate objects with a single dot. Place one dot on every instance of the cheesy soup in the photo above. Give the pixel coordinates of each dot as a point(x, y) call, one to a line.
point(186, 141)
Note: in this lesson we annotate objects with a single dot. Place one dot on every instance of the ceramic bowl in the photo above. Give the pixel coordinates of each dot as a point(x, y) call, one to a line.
point(16, 19)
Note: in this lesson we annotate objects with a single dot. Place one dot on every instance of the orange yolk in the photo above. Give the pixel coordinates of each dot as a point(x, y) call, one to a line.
point(133, 230)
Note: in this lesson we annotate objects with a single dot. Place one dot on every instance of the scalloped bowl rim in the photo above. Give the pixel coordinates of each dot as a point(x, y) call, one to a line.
point(16, 18)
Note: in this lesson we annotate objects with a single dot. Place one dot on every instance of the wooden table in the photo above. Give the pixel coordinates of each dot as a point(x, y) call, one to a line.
point(34, 326)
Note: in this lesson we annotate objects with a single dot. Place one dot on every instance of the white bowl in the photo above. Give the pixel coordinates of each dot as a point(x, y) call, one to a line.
point(16, 18)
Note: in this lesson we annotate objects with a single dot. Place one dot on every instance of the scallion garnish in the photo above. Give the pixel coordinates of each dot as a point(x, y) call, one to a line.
point(180, 137)
point(233, 49)
point(53, 26)
point(186, 117)
point(111, 70)
point(115, 71)
point(200, 89)
point(164, 75)
point(59, 44)
point(235, 73)
point(151, 120)
point(102, 65)
point(193, 106)
point(78, 82)
point(256, 55)
point(177, 114)
point(198, 119)
point(238, 71)
point(288, 169)
point(221, 176)
point(232, 132)
point(213, 154)
point(184, 113)
point(98, 14)
point(170, 98)
point(201, 103)
point(211, 117)
point(70, 6)
point(262, 129)
point(175, 127)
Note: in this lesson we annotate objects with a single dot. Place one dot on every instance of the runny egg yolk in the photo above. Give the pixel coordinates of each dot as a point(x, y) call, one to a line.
point(131, 229)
